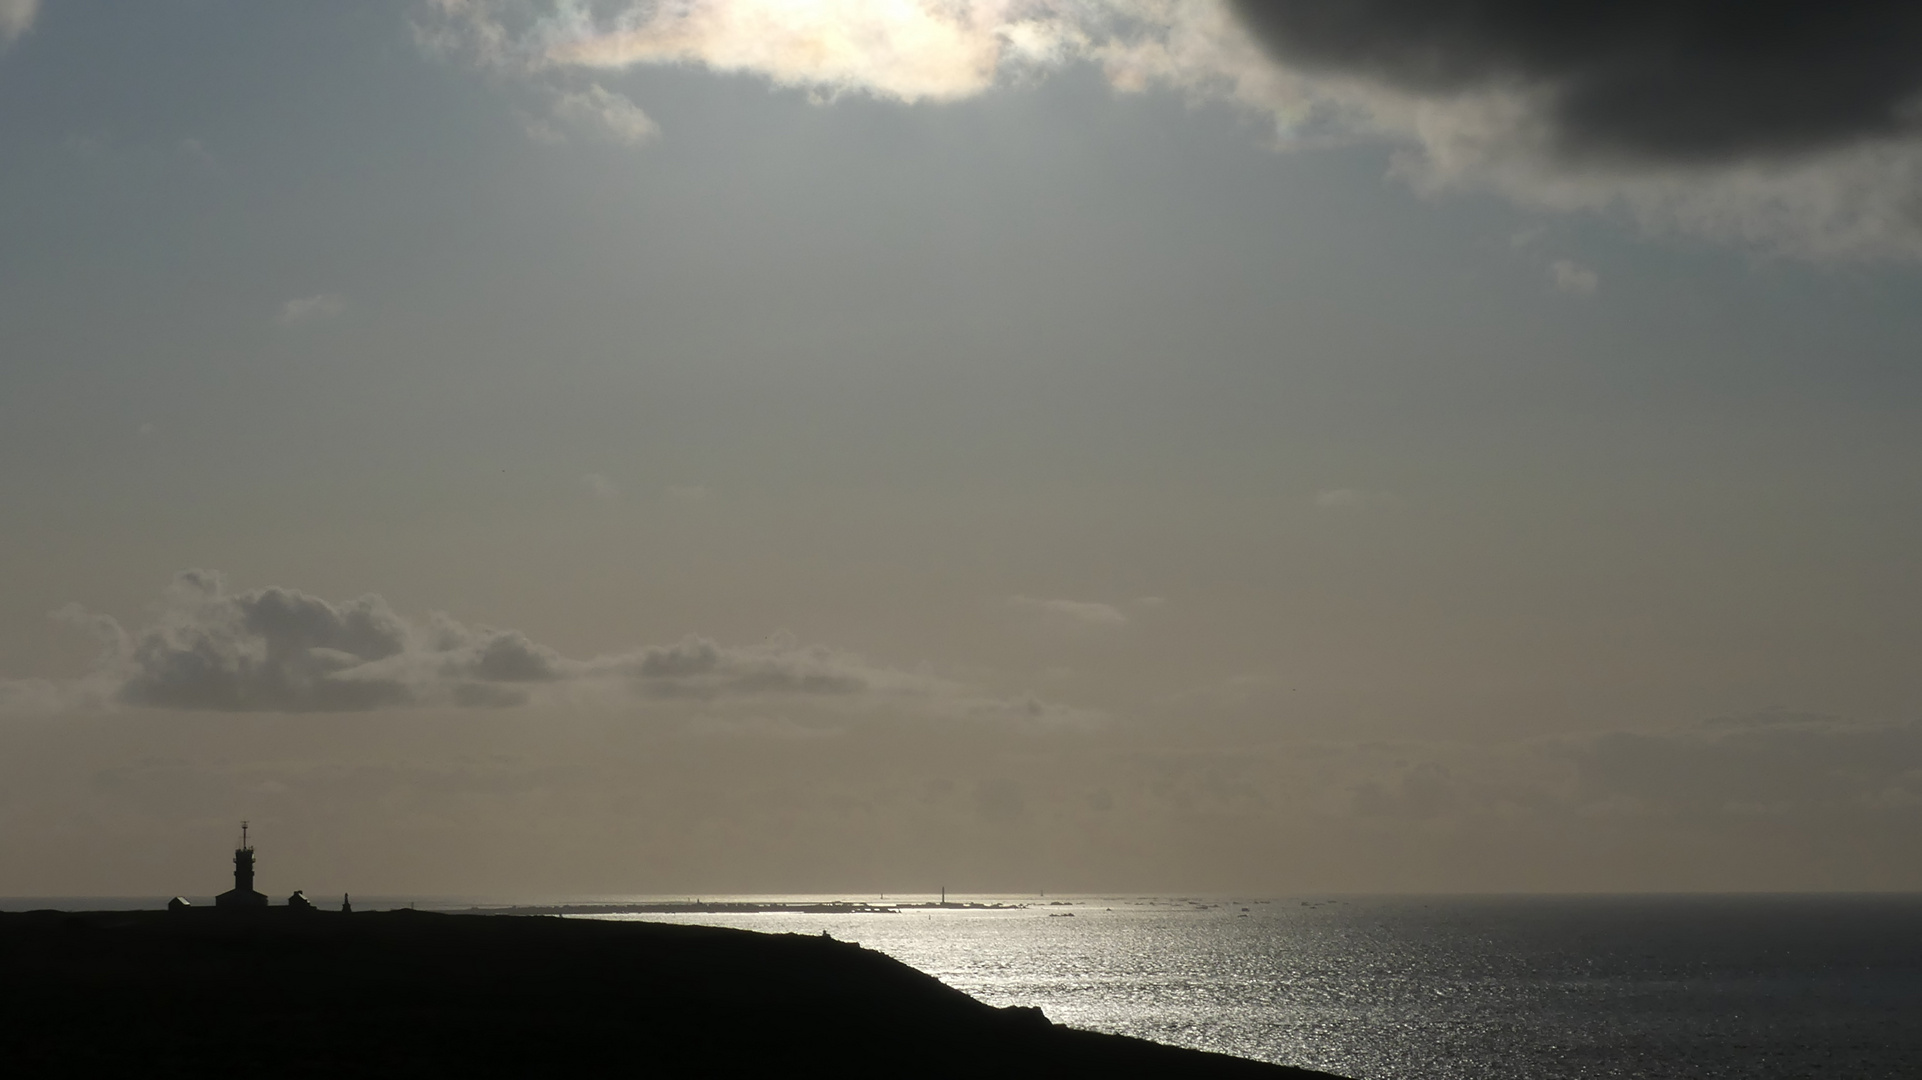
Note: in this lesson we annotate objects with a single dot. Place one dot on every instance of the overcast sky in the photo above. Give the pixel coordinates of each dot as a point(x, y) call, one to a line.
point(532, 447)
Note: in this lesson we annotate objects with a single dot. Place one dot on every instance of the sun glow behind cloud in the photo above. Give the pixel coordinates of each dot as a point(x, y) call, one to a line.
point(1841, 191)
point(896, 48)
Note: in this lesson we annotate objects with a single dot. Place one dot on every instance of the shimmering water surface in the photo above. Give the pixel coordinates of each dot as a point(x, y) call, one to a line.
point(1532, 988)
point(1386, 989)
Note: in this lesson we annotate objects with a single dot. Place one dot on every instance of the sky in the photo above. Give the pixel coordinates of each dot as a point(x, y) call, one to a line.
point(536, 448)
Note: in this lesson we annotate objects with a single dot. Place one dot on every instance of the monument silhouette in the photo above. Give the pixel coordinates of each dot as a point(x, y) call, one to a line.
point(242, 895)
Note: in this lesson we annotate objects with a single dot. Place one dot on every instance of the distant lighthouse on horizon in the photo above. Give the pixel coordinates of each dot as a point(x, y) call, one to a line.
point(242, 895)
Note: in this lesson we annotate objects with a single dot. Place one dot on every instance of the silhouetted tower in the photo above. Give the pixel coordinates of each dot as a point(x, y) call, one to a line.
point(244, 862)
point(242, 895)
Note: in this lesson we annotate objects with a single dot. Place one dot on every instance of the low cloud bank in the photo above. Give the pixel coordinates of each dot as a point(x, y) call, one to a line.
point(1794, 127)
point(1799, 772)
point(276, 649)
point(1779, 766)
point(746, 800)
point(1770, 802)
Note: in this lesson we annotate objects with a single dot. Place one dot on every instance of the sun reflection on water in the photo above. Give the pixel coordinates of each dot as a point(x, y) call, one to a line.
point(1382, 989)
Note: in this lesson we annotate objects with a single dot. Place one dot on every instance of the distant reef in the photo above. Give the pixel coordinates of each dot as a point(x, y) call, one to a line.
point(280, 992)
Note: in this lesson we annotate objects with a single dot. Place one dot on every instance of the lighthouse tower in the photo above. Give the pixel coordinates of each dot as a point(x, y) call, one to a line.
point(242, 895)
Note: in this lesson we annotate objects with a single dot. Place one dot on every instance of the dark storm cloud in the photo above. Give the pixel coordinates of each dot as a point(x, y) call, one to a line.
point(1681, 81)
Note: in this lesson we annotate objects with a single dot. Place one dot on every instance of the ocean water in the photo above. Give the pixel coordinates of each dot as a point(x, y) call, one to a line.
point(1750, 987)
point(1529, 988)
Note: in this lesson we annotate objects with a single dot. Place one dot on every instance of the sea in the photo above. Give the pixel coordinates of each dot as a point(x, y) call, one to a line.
point(1399, 988)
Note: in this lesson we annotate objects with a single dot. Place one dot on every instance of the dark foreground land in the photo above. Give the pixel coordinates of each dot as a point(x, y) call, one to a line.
point(280, 992)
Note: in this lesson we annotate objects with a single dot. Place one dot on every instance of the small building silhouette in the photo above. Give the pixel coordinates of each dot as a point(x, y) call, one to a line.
point(178, 903)
point(299, 901)
point(242, 895)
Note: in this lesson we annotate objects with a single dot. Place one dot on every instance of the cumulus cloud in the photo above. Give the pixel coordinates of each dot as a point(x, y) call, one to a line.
point(596, 114)
point(1796, 127)
point(275, 649)
point(49, 696)
point(1080, 614)
point(1352, 499)
point(600, 487)
point(697, 667)
point(310, 309)
point(281, 650)
point(778, 728)
point(1573, 278)
point(16, 18)
point(93, 691)
point(196, 154)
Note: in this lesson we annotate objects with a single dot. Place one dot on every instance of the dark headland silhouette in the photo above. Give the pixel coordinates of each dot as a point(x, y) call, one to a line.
point(246, 985)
